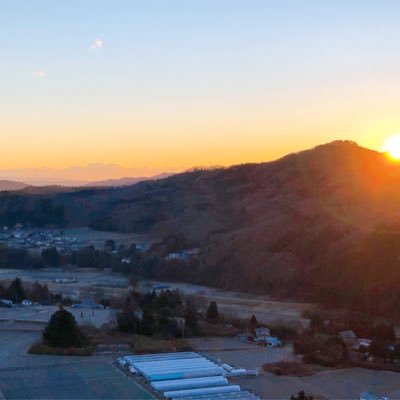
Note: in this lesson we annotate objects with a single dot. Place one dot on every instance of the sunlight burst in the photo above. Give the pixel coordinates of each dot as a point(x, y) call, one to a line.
point(392, 146)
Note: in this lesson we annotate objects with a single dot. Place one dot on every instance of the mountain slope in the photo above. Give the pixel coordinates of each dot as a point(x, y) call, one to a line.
point(338, 182)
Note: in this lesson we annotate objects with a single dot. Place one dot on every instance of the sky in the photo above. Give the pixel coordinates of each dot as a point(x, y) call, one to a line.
point(144, 87)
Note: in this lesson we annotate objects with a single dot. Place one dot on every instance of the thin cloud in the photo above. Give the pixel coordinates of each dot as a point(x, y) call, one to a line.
point(97, 44)
point(39, 74)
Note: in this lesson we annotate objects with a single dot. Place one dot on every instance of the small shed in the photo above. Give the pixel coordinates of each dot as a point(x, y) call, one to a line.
point(349, 337)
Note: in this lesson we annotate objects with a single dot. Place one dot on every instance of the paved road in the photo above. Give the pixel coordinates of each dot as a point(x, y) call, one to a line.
point(43, 314)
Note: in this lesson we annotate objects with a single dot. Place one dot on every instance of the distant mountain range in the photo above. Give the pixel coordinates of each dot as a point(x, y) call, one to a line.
point(322, 224)
point(124, 181)
point(45, 186)
point(6, 185)
point(76, 175)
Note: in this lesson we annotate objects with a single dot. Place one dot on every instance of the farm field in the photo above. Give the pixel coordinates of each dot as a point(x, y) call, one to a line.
point(91, 282)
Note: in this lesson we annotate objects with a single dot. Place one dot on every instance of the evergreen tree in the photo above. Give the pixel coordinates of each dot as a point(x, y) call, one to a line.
point(109, 245)
point(253, 323)
point(147, 326)
point(51, 257)
point(40, 293)
point(16, 291)
point(191, 319)
point(63, 331)
point(316, 323)
point(212, 312)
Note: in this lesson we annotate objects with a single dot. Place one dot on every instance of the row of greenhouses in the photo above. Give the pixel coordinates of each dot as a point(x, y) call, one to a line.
point(187, 376)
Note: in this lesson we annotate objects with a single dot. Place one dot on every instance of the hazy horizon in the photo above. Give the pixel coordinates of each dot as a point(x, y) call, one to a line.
point(78, 175)
point(97, 172)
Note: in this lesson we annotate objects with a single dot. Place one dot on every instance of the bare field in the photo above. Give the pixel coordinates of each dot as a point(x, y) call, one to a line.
point(90, 282)
point(244, 305)
point(99, 283)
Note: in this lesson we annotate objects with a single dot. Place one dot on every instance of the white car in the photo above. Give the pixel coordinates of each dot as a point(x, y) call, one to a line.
point(26, 302)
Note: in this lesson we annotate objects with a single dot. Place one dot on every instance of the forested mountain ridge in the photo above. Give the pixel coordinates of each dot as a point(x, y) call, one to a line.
point(305, 225)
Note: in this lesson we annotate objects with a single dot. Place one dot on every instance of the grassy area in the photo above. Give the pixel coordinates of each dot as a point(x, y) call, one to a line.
point(141, 343)
point(289, 369)
point(220, 329)
point(42, 348)
point(149, 344)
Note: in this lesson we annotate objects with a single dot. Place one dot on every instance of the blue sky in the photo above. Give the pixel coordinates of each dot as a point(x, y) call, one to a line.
point(193, 82)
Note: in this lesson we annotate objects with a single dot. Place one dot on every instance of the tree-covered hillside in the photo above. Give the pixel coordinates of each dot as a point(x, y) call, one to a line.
point(319, 224)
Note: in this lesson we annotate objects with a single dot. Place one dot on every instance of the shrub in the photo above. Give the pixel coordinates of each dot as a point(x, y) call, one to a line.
point(301, 396)
point(288, 369)
point(43, 348)
point(284, 332)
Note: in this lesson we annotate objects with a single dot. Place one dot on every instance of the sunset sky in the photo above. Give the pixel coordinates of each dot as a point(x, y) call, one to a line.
point(153, 86)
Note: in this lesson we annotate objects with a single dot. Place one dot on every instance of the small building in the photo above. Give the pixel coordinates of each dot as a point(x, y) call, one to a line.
point(362, 343)
point(262, 333)
point(349, 337)
point(183, 255)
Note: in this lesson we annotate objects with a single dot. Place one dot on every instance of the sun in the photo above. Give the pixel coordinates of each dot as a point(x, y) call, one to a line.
point(392, 146)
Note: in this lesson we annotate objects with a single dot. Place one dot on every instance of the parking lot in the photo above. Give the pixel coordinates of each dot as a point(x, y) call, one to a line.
point(254, 358)
point(241, 354)
point(24, 376)
point(79, 379)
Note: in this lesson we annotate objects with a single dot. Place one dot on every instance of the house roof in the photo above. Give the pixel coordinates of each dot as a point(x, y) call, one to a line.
point(371, 396)
point(262, 331)
point(348, 335)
